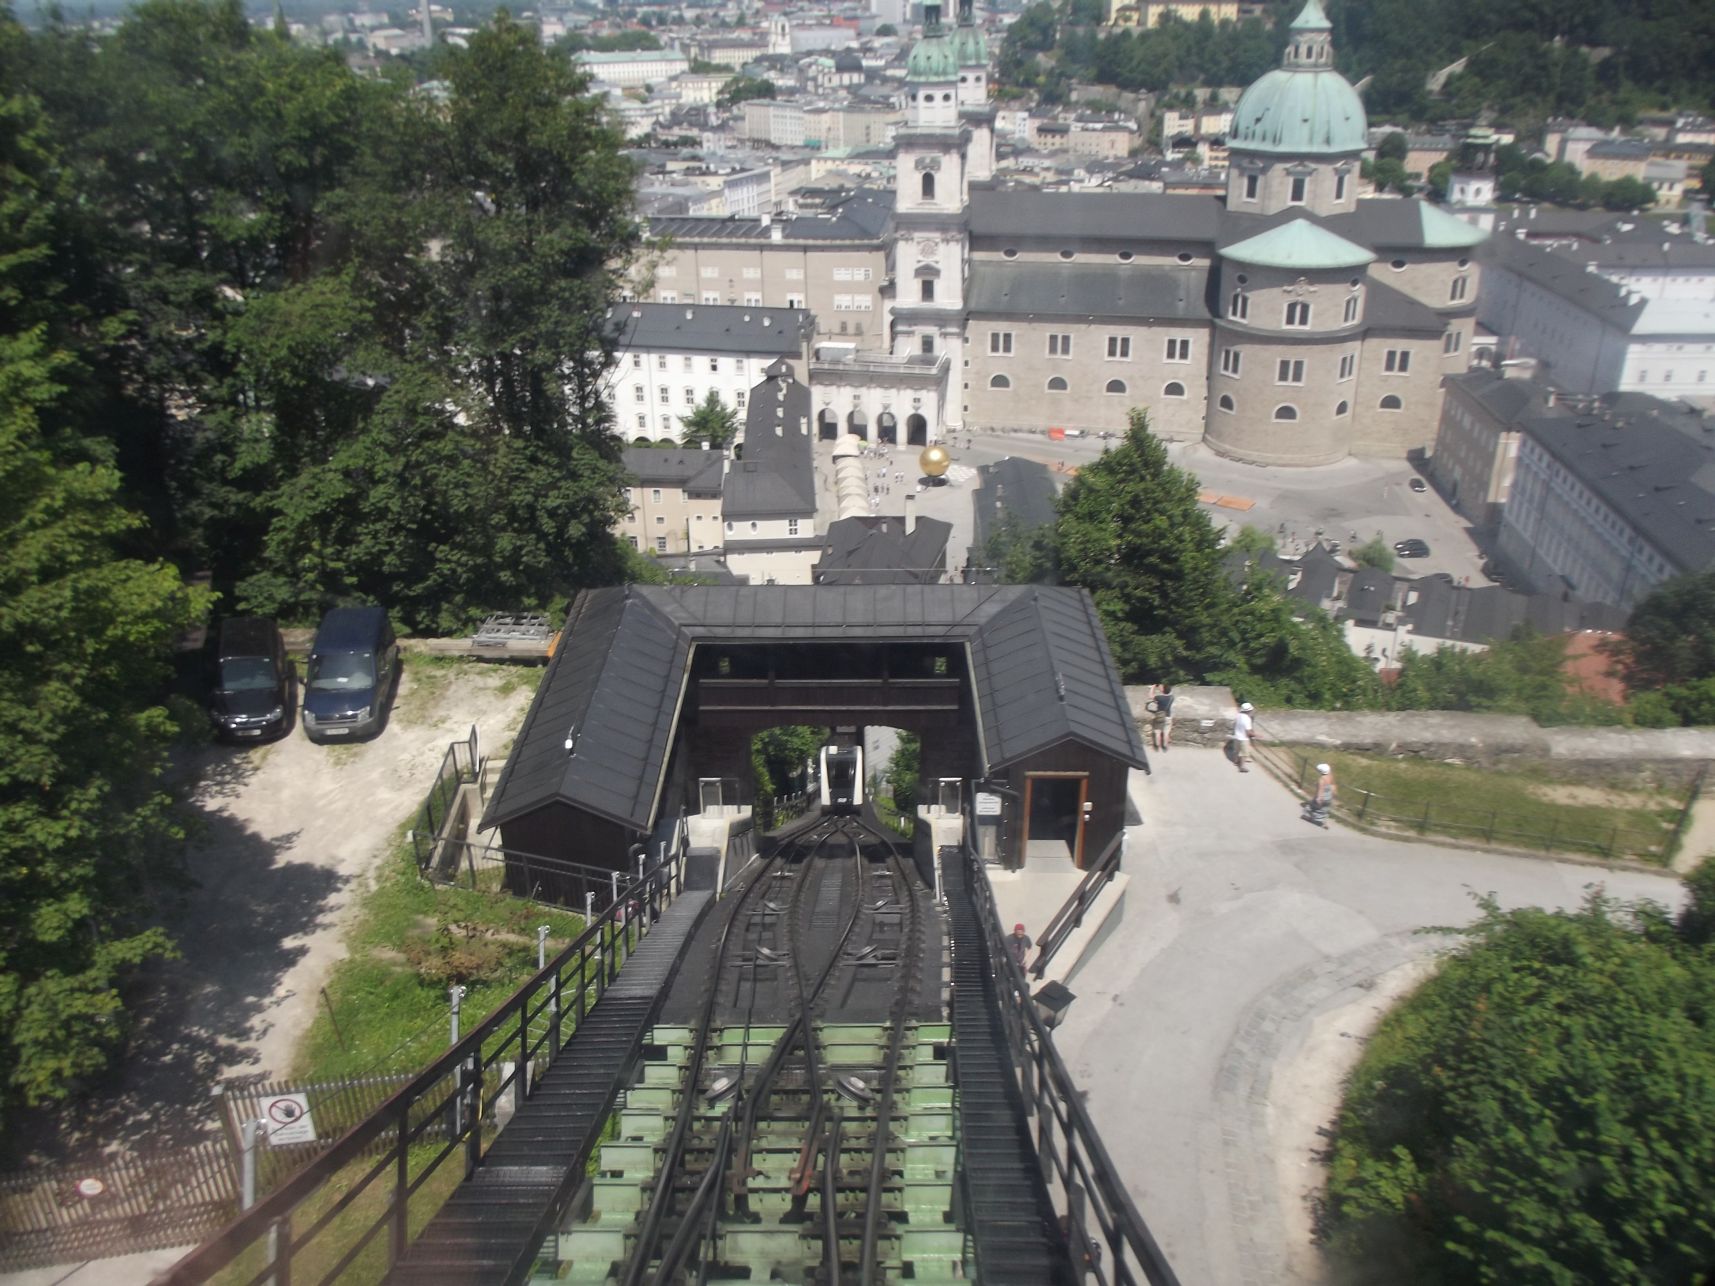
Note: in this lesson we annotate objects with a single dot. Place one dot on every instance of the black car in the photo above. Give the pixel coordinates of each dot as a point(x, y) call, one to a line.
point(251, 684)
point(1413, 548)
point(1418, 484)
point(353, 666)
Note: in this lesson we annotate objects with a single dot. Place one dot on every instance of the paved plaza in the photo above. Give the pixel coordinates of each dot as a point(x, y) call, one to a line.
point(1213, 1027)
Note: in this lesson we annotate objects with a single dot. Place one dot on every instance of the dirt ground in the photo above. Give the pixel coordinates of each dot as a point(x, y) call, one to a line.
point(286, 838)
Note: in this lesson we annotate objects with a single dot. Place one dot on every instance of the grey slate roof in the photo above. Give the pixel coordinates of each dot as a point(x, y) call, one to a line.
point(1657, 473)
point(1075, 216)
point(1086, 290)
point(1394, 310)
point(1041, 672)
point(1504, 399)
point(687, 467)
point(874, 550)
point(1566, 277)
point(1368, 594)
point(1019, 492)
point(776, 478)
point(711, 328)
point(863, 217)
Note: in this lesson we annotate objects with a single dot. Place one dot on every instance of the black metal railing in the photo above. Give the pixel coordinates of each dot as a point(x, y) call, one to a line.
point(1067, 919)
point(489, 868)
point(1106, 1235)
point(439, 813)
point(349, 1214)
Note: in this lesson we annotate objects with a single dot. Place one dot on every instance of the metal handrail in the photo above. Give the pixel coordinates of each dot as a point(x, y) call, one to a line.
point(1067, 919)
point(454, 1086)
point(1088, 1188)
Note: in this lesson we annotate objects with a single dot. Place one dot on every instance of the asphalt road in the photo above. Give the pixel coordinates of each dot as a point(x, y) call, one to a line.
point(1356, 498)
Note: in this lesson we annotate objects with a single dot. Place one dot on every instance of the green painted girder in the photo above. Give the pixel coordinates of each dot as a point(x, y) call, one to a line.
point(633, 1159)
point(635, 1125)
point(657, 1098)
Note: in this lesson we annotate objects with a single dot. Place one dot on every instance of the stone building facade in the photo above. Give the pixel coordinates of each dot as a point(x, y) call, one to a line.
point(1289, 323)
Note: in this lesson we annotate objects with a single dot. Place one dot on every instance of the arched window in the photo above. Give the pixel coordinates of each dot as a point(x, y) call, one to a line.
point(1342, 408)
point(1057, 385)
point(1173, 389)
point(1286, 411)
point(1391, 403)
point(999, 381)
point(1115, 386)
point(928, 186)
point(1226, 402)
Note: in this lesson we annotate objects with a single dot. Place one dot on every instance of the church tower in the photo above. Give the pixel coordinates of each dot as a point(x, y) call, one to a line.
point(931, 191)
point(1299, 132)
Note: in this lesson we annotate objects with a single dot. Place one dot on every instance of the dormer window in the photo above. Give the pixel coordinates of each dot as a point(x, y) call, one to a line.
point(1299, 187)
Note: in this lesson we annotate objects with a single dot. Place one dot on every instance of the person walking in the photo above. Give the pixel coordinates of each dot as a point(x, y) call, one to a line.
point(1018, 943)
point(1321, 801)
point(1161, 726)
point(1244, 729)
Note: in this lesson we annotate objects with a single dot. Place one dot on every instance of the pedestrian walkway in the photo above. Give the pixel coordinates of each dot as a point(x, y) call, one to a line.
point(1207, 1030)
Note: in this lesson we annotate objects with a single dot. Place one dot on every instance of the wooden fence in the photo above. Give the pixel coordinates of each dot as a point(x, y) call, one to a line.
point(116, 1204)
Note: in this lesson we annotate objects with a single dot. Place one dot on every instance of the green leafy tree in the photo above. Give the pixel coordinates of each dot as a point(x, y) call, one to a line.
point(1019, 555)
point(1541, 1110)
point(1670, 637)
point(778, 756)
point(87, 828)
point(1375, 553)
point(1628, 194)
point(1393, 147)
point(713, 423)
point(1251, 540)
point(1130, 531)
point(904, 771)
point(886, 29)
point(741, 89)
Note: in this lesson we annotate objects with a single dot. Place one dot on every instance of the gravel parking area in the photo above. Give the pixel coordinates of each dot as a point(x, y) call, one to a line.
point(287, 836)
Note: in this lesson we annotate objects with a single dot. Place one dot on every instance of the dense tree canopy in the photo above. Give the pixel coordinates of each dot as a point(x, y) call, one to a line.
point(713, 423)
point(323, 336)
point(1540, 1111)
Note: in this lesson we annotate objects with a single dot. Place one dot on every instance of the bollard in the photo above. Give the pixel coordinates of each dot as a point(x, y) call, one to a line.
point(456, 995)
point(541, 947)
point(249, 1132)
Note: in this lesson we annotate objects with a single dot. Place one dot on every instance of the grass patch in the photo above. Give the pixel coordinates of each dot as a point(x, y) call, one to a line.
point(411, 942)
point(900, 823)
point(520, 678)
point(1513, 807)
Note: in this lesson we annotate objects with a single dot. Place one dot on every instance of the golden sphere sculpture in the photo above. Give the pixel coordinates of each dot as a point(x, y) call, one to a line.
point(934, 461)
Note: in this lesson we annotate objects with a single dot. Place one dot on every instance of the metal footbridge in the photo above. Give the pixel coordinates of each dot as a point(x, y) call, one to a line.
point(778, 1084)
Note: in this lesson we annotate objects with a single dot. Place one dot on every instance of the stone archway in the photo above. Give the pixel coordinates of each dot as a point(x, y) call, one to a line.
point(857, 422)
point(917, 431)
point(827, 425)
point(887, 428)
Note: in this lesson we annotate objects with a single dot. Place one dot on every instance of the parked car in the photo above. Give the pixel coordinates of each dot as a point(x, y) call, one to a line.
point(1418, 484)
point(250, 688)
point(351, 675)
point(1412, 548)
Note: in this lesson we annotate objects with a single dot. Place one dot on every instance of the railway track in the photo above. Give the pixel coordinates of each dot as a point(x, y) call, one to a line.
point(798, 1147)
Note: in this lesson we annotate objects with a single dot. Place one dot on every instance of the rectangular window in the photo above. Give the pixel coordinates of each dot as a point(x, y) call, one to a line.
point(794, 301)
point(794, 274)
point(1458, 291)
point(739, 397)
point(643, 421)
point(842, 274)
point(1059, 346)
point(637, 361)
point(667, 270)
point(660, 544)
point(711, 272)
point(1351, 309)
point(711, 296)
point(660, 520)
point(633, 540)
point(1119, 347)
point(751, 274)
point(791, 526)
point(689, 364)
point(1178, 350)
point(1397, 361)
point(1000, 343)
point(655, 494)
point(1298, 313)
point(1230, 361)
point(637, 393)
point(1290, 371)
point(1252, 183)
point(1451, 341)
point(752, 300)
point(1339, 187)
point(690, 397)
point(1348, 365)
point(660, 361)
point(928, 345)
point(1298, 185)
point(1239, 306)
point(928, 290)
point(715, 365)
point(665, 395)
point(669, 296)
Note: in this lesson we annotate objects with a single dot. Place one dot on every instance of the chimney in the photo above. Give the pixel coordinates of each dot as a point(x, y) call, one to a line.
point(776, 232)
point(910, 514)
point(1518, 368)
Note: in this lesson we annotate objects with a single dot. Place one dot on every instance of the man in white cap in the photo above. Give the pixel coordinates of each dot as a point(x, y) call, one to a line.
point(1321, 801)
point(1244, 728)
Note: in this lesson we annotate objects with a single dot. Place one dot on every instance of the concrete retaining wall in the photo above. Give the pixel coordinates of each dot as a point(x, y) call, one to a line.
point(1663, 756)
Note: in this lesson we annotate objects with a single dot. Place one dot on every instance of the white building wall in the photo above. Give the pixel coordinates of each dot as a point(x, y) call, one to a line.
point(652, 390)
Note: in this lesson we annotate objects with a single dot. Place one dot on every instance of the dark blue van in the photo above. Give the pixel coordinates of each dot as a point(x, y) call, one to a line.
point(349, 680)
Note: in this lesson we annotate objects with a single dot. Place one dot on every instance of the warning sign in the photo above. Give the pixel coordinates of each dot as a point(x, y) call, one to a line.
point(286, 1119)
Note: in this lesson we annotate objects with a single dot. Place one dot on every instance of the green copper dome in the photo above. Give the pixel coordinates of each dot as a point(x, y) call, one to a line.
point(1303, 107)
point(971, 48)
point(933, 58)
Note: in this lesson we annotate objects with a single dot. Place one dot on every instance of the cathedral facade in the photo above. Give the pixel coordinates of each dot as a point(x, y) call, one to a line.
point(1290, 323)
